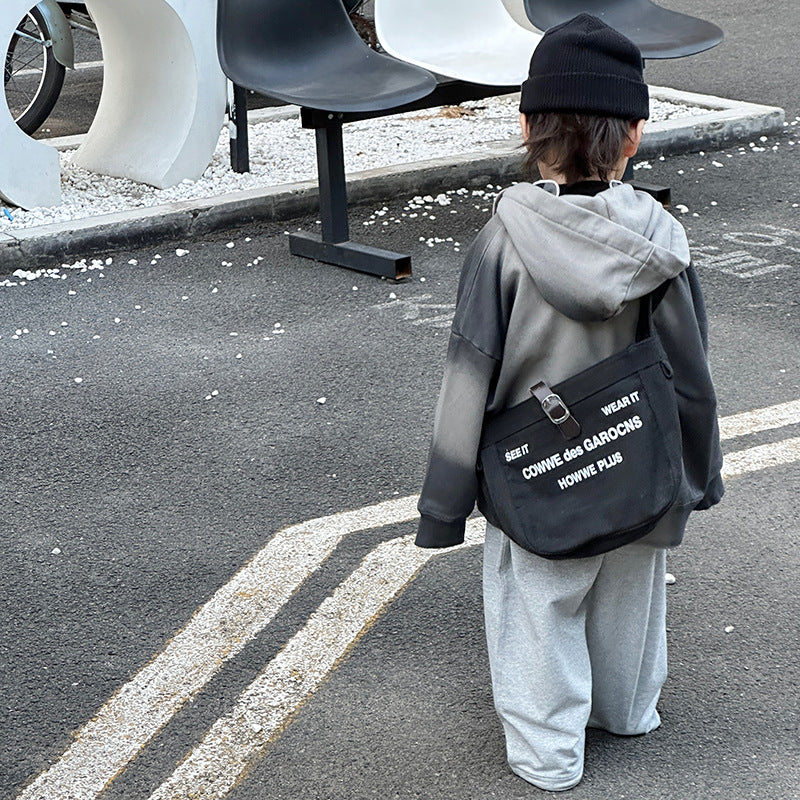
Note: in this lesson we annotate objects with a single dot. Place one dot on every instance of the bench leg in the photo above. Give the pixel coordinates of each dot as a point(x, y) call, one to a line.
point(662, 194)
point(334, 245)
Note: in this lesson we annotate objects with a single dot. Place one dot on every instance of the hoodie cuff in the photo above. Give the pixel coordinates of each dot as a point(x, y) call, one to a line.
point(435, 533)
point(713, 494)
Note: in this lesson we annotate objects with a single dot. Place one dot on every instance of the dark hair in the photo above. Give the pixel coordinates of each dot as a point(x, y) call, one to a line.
point(576, 145)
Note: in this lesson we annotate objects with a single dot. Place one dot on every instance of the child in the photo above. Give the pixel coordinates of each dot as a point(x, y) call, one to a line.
point(551, 286)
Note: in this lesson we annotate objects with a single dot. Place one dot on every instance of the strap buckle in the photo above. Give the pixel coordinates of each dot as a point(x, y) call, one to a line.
point(556, 410)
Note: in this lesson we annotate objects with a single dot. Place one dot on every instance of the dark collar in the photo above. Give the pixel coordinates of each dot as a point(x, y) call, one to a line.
point(590, 188)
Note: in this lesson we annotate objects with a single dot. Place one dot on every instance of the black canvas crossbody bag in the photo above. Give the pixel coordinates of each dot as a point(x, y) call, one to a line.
point(589, 464)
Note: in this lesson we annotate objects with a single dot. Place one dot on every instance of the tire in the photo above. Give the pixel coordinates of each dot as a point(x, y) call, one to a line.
point(352, 5)
point(32, 77)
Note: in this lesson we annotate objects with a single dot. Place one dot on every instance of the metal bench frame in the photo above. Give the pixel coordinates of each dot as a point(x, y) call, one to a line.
point(333, 245)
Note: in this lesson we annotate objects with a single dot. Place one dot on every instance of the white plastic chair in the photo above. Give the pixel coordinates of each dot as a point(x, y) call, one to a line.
point(30, 173)
point(519, 14)
point(471, 40)
point(163, 102)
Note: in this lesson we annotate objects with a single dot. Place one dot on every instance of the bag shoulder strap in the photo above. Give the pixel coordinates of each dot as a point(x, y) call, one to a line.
point(551, 403)
point(647, 305)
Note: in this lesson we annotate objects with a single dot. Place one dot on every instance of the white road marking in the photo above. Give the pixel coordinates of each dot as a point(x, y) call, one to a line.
point(415, 309)
point(214, 767)
point(442, 321)
point(241, 609)
point(81, 66)
point(740, 264)
point(753, 239)
point(219, 630)
point(762, 419)
point(762, 457)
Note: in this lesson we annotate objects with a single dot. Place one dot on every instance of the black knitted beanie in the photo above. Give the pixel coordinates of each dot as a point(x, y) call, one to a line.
point(583, 66)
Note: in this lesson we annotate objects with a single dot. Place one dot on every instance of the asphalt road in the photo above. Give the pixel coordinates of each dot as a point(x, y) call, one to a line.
point(162, 421)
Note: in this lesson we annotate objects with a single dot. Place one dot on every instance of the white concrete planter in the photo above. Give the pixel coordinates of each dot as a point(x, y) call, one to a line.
point(30, 174)
point(163, 100)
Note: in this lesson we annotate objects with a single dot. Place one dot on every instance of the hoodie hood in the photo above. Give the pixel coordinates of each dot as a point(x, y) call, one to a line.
point(589, 256)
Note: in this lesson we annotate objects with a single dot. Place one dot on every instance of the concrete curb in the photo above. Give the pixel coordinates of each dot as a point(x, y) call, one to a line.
point(727, 121)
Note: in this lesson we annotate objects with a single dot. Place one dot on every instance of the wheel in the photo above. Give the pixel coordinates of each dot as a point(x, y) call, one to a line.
point(32, 76)
point(352, 5)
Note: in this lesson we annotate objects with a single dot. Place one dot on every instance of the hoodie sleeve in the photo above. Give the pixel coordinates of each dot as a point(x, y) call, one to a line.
point(475, 350)
point(682, 326)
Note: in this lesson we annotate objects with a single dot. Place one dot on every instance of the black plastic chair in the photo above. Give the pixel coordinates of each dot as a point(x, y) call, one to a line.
point(657, 31)
point(308, 53)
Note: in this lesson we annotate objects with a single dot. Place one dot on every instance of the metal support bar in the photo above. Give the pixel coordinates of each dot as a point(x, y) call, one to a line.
point(332, 183)
point(447, 93)
point(237, 116)
point(663, 194)
point(360, 257)
point(627, 176)
point(334, 246)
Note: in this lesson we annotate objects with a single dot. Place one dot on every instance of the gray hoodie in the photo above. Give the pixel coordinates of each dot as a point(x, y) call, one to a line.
point(546, 291)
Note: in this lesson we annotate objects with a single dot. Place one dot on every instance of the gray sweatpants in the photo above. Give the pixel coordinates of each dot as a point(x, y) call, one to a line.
point(572, 644)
